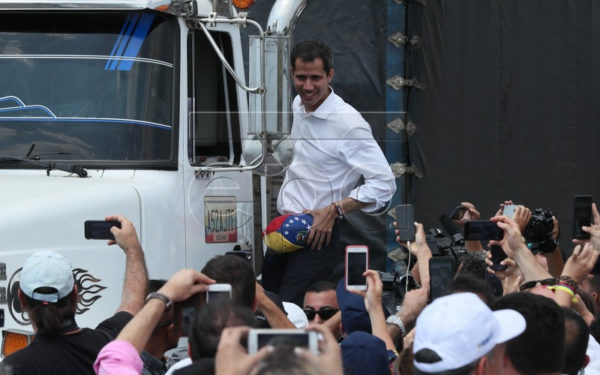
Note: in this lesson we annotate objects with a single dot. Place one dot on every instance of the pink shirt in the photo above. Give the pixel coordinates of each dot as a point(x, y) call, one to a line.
point(118, 357)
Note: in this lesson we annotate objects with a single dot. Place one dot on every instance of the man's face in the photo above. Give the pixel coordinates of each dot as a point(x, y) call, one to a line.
point(311, 82)
point(318, 301)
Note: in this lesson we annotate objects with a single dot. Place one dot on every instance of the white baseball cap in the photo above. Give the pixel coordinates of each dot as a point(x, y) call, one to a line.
point(47, 269)
point(460, 329)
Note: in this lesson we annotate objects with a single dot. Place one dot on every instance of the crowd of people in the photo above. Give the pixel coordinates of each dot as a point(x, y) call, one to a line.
point(542, 320)
point(532, 313)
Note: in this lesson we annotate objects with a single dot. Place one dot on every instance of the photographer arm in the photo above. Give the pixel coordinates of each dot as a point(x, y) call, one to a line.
point(118, 356)
point(275, 317)
point(421, 251)
point(579, 264)
point(471, 214)
point(136, 276)
point(513, 245)
point(375, 308)
point(594, 230)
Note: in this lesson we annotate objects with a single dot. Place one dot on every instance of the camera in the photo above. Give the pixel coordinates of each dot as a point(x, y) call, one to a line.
point(539, 230)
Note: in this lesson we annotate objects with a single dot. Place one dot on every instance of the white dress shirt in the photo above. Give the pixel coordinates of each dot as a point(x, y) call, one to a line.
point(333, 147)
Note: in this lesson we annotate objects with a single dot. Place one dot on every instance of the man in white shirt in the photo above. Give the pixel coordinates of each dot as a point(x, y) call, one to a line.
point(333, 148)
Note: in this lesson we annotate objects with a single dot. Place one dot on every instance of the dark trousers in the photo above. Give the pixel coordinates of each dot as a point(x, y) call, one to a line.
point(290, 274)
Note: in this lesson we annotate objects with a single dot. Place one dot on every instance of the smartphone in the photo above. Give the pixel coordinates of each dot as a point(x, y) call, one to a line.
point(218, 292)
point(100, 229)
point(441, 272)
point(293, 338)
point(498, 255)
point(582, 205)
point(405, 216)
point(458, 213)
point(357, 262)
point(509, 211)
point(482, 230)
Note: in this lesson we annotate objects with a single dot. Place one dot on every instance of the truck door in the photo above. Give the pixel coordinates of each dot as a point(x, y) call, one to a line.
point(218, 204)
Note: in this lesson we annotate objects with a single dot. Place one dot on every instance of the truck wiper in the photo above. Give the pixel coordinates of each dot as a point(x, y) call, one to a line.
point(50, 165)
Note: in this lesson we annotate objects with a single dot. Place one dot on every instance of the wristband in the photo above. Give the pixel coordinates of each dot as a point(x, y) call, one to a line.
point(565, 289)
point(339, 209)
point(568, 281)
point(161, 297)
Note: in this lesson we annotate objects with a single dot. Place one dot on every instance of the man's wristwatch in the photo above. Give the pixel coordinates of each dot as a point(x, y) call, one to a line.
point(161, 297)
point(395, 320)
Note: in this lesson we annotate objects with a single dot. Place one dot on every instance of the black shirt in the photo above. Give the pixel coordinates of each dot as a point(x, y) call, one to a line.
point(66, 354)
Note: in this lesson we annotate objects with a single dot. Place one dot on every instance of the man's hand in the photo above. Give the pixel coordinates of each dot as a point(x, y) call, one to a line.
point(184, 284)
point(471, 214)
point(512, 240)
point(125, 237)
point(323, 221)
point(419, 246)
point(580, 263)
point(232, 358)
point(522, 216)
point(594, 230)
point(510, 264)
point(330, 359)
point(374, 290)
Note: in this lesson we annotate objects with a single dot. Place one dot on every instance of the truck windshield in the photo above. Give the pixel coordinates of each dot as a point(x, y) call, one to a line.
point(93, 87)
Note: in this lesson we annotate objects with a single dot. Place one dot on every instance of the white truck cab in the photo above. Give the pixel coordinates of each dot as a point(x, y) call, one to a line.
point(139, 108)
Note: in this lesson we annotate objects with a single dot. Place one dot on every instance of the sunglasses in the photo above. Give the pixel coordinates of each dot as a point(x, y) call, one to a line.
point(325, 313)
point(530, 284)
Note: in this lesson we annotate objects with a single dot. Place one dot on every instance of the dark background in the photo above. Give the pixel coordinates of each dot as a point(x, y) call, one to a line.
point(510, 109)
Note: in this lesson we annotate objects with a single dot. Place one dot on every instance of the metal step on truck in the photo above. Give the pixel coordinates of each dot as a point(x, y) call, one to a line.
point(140, 108)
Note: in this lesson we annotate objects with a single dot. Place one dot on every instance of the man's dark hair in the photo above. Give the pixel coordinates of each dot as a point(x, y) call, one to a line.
point(541, 348)
point(468, 283)
point(577, 336)
point(210, 321)
point(309, 50)
point(49, 317)
point(321, 286)
point(429, 356)
point(231, 269)
point(283, 361)
point(473, 263)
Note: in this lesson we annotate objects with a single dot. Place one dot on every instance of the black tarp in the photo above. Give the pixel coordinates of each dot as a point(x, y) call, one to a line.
point(510, 109)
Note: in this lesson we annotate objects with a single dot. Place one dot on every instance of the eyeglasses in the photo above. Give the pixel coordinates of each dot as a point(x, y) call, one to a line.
point(325, 313)
point(530, 284)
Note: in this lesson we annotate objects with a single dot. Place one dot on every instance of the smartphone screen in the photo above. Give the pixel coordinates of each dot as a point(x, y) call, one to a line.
point(218, 292)
point(482, 230)
point(498, 255)
point(356, 265)
point(100, 229)
point(257, 338)
point(405, 216)
point(441, 272)
point(583, 216)
point(509, 211)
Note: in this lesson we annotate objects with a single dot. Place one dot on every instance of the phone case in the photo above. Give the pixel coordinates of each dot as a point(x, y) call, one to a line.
point(355, 274)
